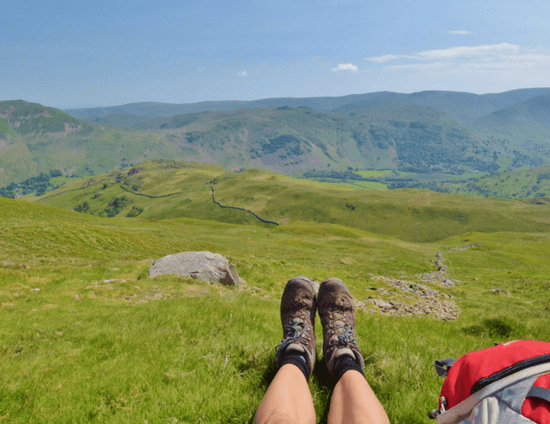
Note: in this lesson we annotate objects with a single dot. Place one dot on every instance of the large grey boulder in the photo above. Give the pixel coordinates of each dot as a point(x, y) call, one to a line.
point(208, 266)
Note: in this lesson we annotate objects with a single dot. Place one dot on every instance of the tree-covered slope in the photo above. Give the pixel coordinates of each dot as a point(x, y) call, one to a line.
point(287, 140)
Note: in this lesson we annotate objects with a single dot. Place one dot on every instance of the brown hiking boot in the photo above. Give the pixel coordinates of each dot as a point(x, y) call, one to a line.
point(338, 320)
point(298, 306)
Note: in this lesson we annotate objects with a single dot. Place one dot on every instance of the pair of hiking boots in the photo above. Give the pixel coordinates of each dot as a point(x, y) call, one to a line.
point(298, 306)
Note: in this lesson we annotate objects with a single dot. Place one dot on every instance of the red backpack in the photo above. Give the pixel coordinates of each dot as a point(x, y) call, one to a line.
point(506, 383)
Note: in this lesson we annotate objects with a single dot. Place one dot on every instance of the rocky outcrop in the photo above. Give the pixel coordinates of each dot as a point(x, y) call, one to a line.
point(208, 266)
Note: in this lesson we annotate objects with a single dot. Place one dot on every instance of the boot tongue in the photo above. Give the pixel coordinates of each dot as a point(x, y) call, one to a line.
point(297, 347)
point(344, 351)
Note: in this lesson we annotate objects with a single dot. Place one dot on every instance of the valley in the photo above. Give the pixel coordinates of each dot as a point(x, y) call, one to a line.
point(434, 137)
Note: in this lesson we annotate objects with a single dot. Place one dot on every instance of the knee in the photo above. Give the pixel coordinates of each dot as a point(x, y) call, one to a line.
point(277, 418)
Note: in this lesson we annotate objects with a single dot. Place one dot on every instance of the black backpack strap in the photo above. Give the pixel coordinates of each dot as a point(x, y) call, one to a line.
point(443, 366)
point(539, 392)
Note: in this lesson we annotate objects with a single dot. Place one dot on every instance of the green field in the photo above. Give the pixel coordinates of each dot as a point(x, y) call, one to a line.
point(374, 173)
point(86, 336)
point(366, 185)
point(522, 183)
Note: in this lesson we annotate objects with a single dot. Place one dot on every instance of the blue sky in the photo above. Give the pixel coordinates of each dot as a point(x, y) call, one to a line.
point(100, 53)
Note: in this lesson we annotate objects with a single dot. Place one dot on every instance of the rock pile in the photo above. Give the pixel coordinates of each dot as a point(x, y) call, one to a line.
point(423, 300)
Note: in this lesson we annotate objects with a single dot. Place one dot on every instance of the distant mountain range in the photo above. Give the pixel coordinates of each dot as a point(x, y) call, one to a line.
point(464, 107)
point(426, 132)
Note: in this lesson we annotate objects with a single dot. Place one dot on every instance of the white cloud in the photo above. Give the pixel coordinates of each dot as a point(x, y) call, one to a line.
point(484, 68)
point(345, 67)
point(242, 73)
point(470, 52)
point(386, 58)
point(460, 32)
point(484, 51)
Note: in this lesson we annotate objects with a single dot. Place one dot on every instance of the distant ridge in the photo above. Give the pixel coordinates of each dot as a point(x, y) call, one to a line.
point(465, 107)
point(171, 109)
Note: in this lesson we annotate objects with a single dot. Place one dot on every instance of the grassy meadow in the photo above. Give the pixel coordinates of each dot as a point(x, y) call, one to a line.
point(86, 336)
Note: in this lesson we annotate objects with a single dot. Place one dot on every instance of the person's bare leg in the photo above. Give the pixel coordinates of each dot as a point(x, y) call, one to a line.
point(287, 400)
point(354, 402)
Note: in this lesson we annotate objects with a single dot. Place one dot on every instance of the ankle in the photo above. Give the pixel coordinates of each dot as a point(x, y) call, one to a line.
point(298, 359)
point(343, 364)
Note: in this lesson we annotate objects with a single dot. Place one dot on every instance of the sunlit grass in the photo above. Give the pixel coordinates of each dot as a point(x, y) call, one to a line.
point(86, 336)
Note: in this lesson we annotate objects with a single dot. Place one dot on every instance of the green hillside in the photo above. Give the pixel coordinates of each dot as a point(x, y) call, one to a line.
point(523, 183)
point(167, 189)
point(5, 130)
point(86, 336)
point(33, 118)
point(440, 135)
point(16, 161)
point(283, 139)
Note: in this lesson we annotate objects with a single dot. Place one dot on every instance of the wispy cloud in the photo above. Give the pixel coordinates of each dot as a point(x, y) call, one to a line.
point(347, 67)
point(488, 66)
point(388, 58)
point(486, 51)
point(460, 32)
point(242, 73)
point(460, 52)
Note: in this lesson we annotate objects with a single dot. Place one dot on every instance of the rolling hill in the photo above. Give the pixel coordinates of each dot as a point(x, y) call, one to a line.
point(167, 190)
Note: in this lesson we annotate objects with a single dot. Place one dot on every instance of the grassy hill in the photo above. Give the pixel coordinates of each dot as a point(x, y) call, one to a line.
point(167, 189)
point(86, 336)
point(16, 161)
point(533, 114)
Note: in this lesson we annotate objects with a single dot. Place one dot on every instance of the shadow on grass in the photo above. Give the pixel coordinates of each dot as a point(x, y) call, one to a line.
point(324, 386)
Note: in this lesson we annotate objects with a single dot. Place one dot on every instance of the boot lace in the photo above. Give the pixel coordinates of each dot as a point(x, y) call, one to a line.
point(293, 332)
point(344, 336)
